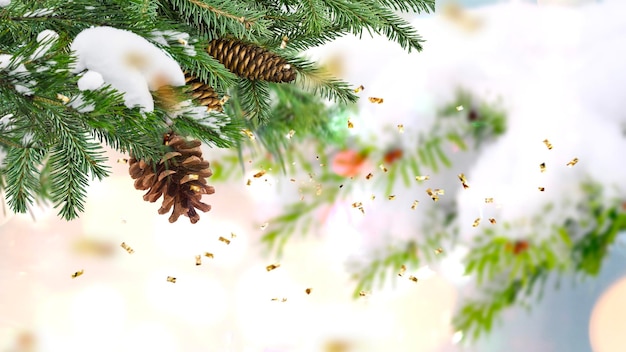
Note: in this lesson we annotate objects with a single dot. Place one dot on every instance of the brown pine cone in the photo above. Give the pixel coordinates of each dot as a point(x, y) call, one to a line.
point(251, 61)
point(180, 177)
point(203, 93)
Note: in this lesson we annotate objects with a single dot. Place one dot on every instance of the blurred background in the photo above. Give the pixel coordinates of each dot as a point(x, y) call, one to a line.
point(558, 68)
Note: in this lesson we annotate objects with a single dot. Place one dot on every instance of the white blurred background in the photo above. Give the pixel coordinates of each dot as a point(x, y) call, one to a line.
point(559, 65)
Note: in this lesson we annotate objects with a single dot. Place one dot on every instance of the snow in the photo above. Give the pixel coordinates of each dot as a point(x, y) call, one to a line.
point(45, 39)
point(19, 70)
point(128, 62)
point(164, 37)
point(39, 13)
point(91, 80)
point(5, 3)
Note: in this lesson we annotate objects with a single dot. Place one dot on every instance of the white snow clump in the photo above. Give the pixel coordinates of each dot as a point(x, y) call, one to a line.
point(45, 39)
point(128, 62)
point(91, 80)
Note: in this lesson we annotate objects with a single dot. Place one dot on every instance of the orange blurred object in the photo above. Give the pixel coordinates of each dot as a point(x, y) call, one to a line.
point(348, 163)
point(393, 155)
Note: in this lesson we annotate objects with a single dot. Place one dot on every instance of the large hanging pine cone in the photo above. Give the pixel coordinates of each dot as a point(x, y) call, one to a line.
point(251, 61)
point(180, 177)
point(203, 93)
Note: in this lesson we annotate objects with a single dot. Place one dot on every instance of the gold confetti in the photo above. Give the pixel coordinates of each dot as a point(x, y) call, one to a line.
point(291, 134)
point(283, 43)
point(573, 162)
point(375, 100)
point(264, 226)
point(308, 291)
point(414, 205)
point(438, 250)
point(171, 279)
point(439, 191)
point(198, 260)
point(369, 176)
point(434, 194)
point(548, 144)
point(122, 161)
point(272, 267)
point(402, 270)
point(492, 220)
point(274, 299)
point(248, 133)
point(318, 189)
point(391, 197)
point(208, 255)
point(359, 88)
point(127, 248)
point(292, 180)
point(476, 222)
point(542, 167)
point(488, 200)
point(350, 124)
point(372, 197)
point(249, 182)
point(194, 188)
point(259, 174)
point(363, 293)
point(382, 167)
point(422, 178)
point(224, 99)
point(284, 299)
point(463, 181)
point(63, 98)
point(459, 108)
point(542, 189)
point(401, 128)
point(78, 273)
point(233, 235)
point(224, 239)
point(357, 204)
point(182, 41)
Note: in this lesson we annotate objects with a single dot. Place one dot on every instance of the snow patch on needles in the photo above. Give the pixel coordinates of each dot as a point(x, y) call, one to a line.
point(39, 13)
point(91, 80)
point(46, 39)
point(5, 3)
point(128, 62)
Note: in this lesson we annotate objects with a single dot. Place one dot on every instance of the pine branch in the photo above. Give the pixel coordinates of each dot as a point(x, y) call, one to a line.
point(216, 129)
point(253, 98)
point(426, 6)
point(320, 82)
point(69, 182)
point(21, 168)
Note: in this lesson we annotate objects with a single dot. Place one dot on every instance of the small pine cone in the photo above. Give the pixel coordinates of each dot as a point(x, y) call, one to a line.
point(180, 177)
point(203, 93)
point(251, 61)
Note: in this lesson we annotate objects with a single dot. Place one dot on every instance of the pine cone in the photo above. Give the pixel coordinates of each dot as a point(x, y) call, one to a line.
point(203, 93)
point(250, 61)
point(180, 177)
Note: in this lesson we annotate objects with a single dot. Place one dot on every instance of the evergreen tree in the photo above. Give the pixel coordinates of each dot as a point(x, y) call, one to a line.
point(57, 113)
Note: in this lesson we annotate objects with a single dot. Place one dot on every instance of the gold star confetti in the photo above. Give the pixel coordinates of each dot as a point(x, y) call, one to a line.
point(127, 248)
point(198, 260)
point(492, 220)
point(542, 167)
point(63, 98)
point(248, 133)
point(488, 200)
point(272, 267)
point(290, 134)
point(249, 182)
point(171, 279)
point(541, 189)
point(224, 239)
point(264, 226)
point(359, 89)
point(259, 174)
point(402, 270)
point(438, 250)
point(369, 176)
point(422, 178)
point(382, 167)
point(414, 205)
point(78, 273)
point(573, 162)
point(363, 293)
point(375, 100)
point(548, 144)
point(476, 222)
point(401, 128)
point(392, 197)
point(208, 255)
point(308, 291)
point(283, 43)
point(413, 278)
point(350, 124)
point(459, 108)
point(122, 161)
point(463, 181)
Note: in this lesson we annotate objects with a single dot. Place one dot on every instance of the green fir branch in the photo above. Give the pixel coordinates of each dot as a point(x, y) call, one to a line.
point(21, 171)
point(320, 82)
